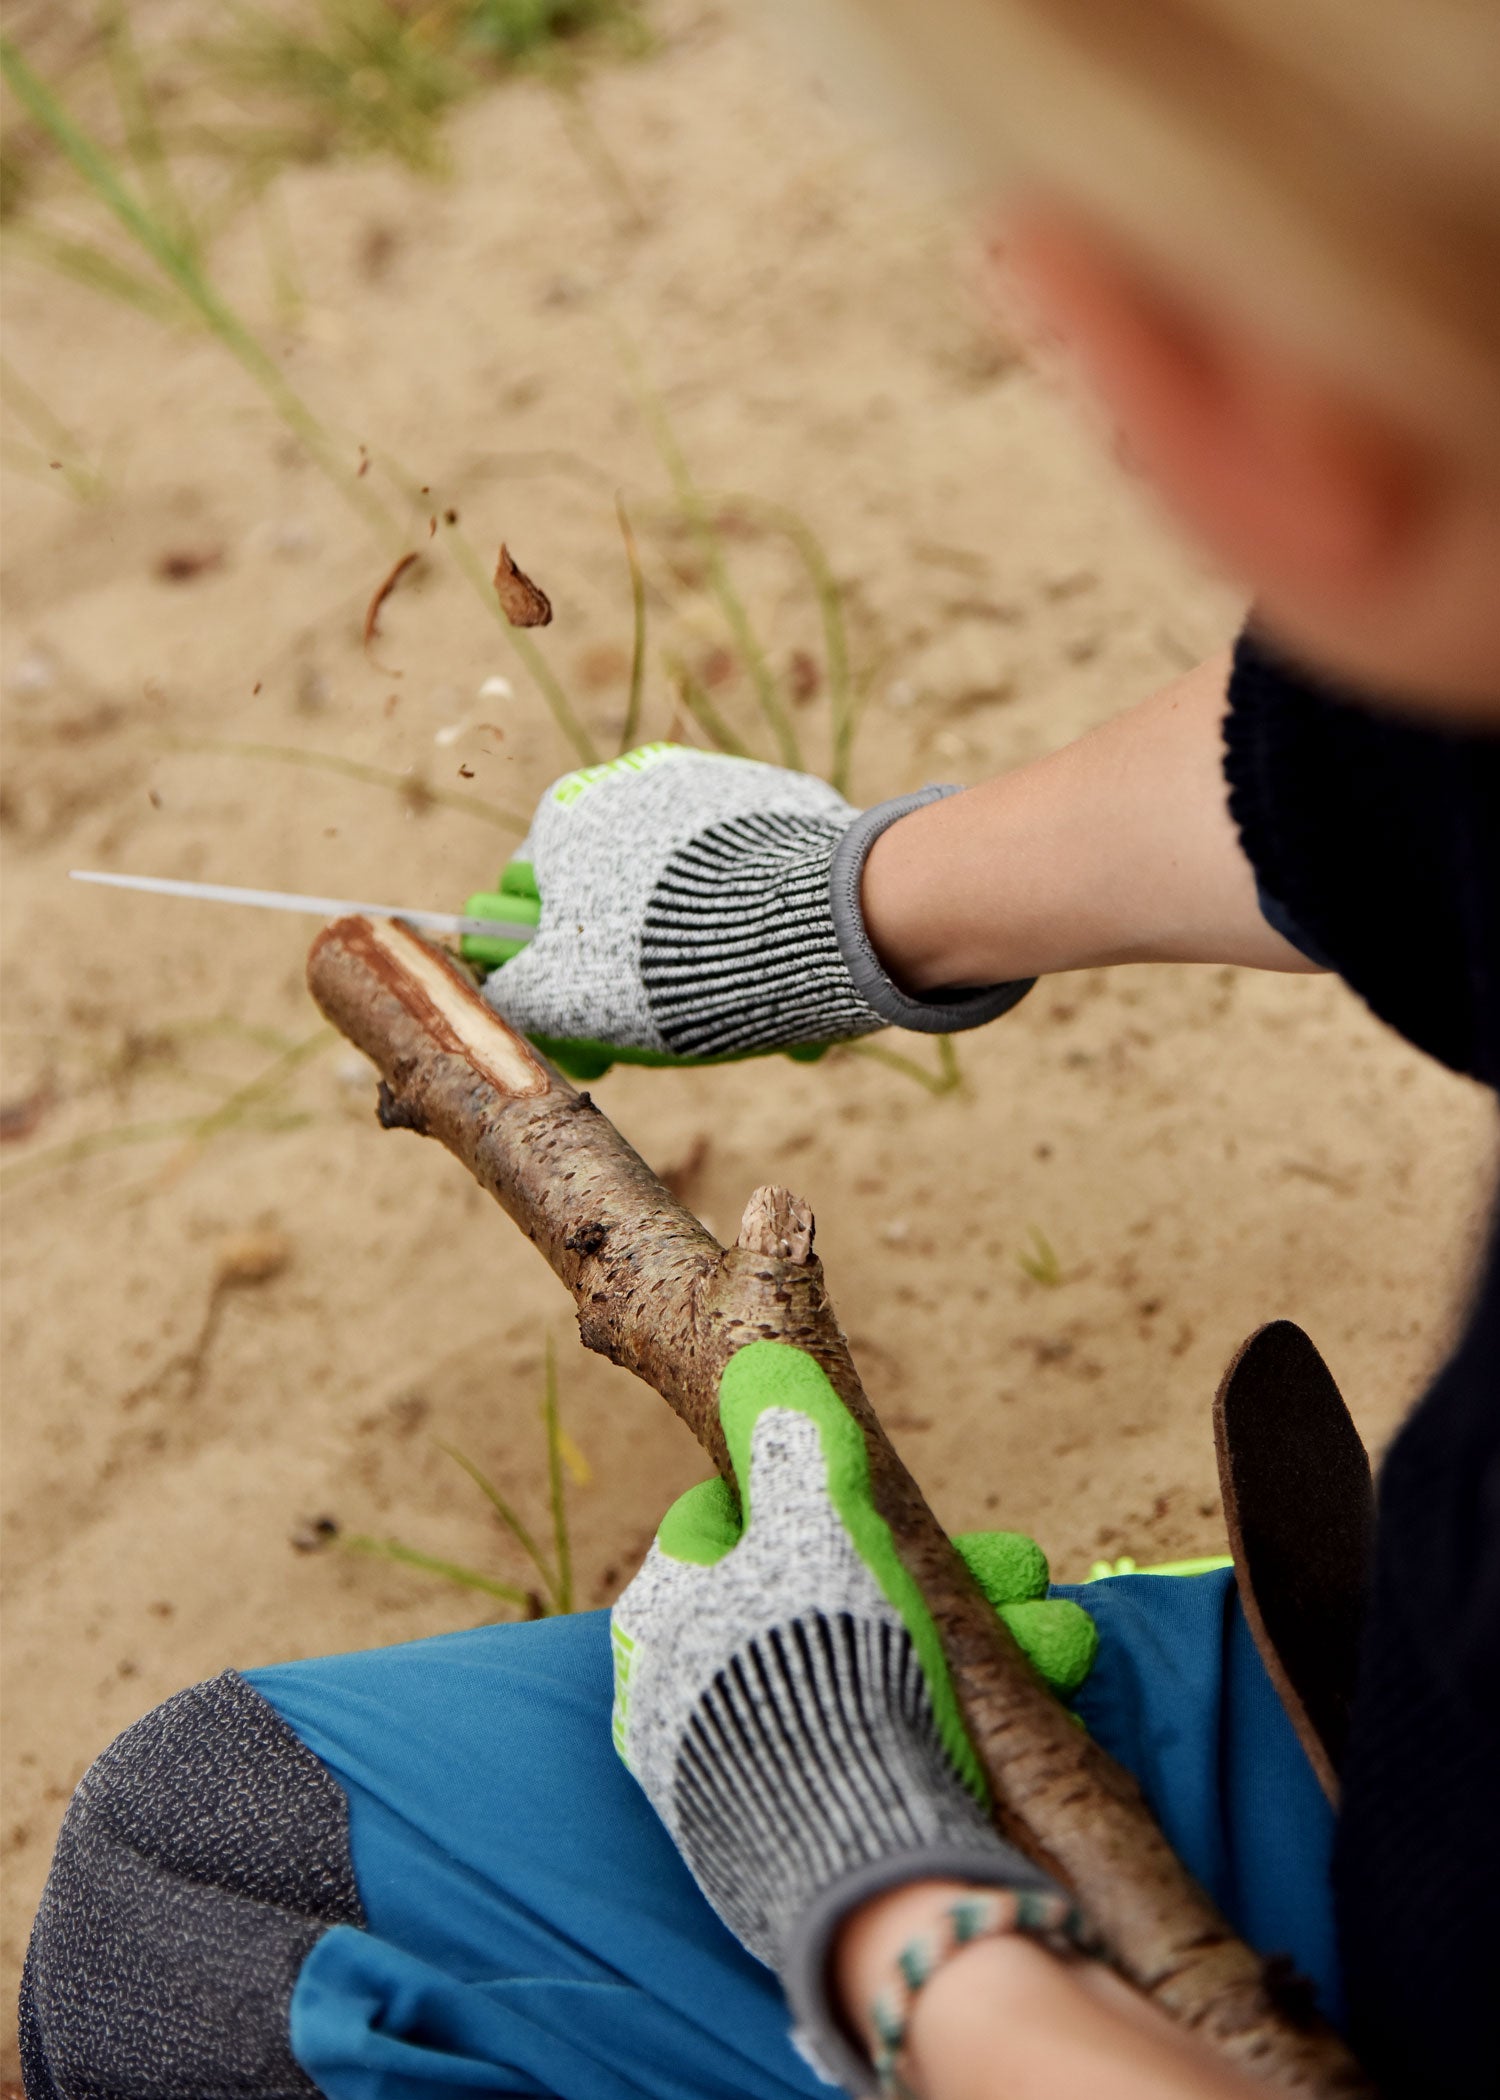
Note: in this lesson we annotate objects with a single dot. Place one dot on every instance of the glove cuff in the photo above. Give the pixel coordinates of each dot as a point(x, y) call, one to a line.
point(946, 1012)
point(818, 2032)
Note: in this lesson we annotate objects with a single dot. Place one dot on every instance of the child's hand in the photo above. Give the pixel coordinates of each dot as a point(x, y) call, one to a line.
point(691, 906)
point(782, 1696)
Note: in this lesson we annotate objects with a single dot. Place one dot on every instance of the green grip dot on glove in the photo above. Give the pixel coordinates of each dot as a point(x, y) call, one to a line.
point(518, 900)
point(1058, 1637)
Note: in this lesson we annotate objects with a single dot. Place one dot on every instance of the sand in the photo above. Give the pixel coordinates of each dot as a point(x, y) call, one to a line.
point(1202, 1149)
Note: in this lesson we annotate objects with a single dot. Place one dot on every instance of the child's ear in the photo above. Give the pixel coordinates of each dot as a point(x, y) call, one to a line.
point(1298, 488)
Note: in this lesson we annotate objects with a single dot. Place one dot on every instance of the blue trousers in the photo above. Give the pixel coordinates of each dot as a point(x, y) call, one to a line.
point(532, 1930)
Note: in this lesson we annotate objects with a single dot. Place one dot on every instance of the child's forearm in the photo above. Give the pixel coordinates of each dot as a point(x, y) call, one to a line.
point(1004, 2020)
point(1119, 848)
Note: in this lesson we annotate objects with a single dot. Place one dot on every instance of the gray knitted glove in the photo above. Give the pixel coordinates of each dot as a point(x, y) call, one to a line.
point(691, 906)
point(782, 1697)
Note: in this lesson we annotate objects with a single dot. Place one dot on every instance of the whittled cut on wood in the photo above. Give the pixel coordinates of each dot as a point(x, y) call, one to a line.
point(657, 1294)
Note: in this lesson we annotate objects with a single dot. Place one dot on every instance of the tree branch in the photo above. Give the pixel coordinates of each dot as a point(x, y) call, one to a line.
point(656, 1293)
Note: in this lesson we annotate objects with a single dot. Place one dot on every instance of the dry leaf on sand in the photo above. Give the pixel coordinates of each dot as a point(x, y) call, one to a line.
point(520, 600)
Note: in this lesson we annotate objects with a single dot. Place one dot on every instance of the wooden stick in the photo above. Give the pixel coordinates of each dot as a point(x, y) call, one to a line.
point(656, 1293)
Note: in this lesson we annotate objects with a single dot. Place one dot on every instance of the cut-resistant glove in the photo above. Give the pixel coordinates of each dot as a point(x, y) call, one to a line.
point(691, 907)
point(782, 1696)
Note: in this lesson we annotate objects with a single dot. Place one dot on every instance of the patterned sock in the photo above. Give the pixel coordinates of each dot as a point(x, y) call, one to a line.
point(204, 1854)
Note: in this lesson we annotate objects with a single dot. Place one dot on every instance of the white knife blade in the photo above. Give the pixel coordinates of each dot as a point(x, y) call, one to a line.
point(315, 907)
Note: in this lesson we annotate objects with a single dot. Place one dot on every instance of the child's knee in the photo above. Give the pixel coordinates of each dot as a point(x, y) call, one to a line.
point(201, 1857)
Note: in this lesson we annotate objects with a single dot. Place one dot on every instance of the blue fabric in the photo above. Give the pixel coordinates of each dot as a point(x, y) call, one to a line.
point(532, 1930)
point(1180, 1697)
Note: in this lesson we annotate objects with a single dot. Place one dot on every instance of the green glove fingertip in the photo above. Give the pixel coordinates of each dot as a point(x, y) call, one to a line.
point(582, 1058)
point(702, 1525)
point(1058, 1638)
point(489, 951)
point(1008, 1566)
point(578, 1058)
point(519, 880)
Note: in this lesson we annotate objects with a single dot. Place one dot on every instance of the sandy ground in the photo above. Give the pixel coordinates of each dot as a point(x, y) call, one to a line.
point(1202, 1149)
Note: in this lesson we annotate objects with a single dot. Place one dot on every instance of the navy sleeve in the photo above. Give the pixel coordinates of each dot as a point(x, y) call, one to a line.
point(1416, 1863)
point(1376, 844)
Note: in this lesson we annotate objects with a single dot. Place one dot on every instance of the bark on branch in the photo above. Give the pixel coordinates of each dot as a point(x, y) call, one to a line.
point(658, 1294)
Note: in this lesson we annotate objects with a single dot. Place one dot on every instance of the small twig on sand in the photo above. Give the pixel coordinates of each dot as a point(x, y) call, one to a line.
point(382, 591)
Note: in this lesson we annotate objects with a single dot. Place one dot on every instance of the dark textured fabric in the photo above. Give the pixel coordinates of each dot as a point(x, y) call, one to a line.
point(1381, 839)
point(201, 1857)
point(1417, 1859)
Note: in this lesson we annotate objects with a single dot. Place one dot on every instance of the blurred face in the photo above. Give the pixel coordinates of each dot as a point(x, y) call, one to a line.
point(1372, 555)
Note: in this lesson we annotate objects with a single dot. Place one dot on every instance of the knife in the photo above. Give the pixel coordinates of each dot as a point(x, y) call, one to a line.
point(316, 907)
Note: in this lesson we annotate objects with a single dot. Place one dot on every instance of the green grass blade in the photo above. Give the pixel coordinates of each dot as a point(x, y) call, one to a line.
point(711, 547)
point(694, 698)
point(364, 76)
point(180, 265)
point(72, 1150)
point(508, 1518)
point(591, 146)
point(1040, 1261)
point(231, 1028)
point(948, 1064)
point(561, 1544)
point(547, 682)
point(270, 1081)
point(281, 255)
point(632, 725)
point(842, 708)
point(143, 140)
point(50, 432)
point(946, 1080)
point(238, 1111)
point(98, 271)
point(182, 268)
point(430, 1564)
point(417, 791)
